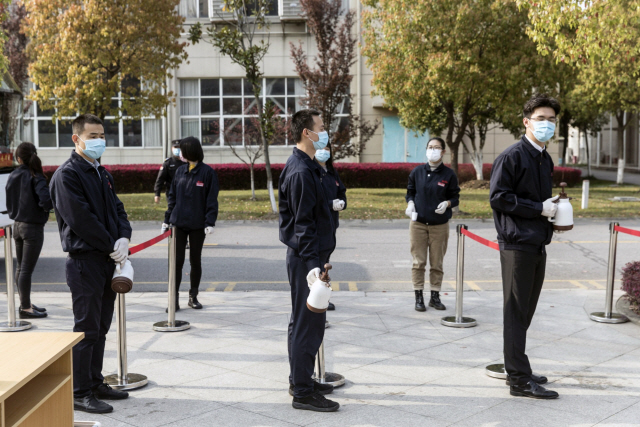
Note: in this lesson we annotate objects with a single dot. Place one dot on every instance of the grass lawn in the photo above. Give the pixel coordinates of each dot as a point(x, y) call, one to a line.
point(389, 204)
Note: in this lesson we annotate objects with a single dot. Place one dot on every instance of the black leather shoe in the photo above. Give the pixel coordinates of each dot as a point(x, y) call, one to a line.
point(538, 379)
point(317, 387)
point(166, 310)
point(420, 301)
point(315, 402)
point(31, 315)
point(533, 390)
point(40, 309)
point(331, 307)
point(435, 301)
point(91, 404)
point(104, 391)
point(193, 303)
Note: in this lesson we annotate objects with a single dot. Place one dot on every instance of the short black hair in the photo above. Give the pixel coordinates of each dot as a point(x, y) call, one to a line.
point(540, 100)
point(191, 149)
point(440, 140)
point(175, 143)
point(77, 126)
point(300, 121)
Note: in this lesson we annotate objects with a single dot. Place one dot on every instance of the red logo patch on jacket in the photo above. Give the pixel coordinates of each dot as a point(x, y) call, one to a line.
point(199, 184)
point(443, 183)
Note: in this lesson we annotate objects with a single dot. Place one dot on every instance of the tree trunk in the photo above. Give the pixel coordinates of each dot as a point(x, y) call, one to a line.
point(253, 182)
point(476, 160)
point(267, 161)
point(620, 139)
point(586, 144)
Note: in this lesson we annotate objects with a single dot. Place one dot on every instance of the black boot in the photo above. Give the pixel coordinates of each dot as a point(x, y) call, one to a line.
point(435, 301)
point(193, 302)
point(420, 301)
point(166, 310)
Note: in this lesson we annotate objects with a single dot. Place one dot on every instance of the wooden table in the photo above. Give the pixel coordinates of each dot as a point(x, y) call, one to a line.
point(36, 379)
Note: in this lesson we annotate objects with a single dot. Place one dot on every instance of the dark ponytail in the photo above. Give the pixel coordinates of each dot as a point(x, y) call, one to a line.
point(29, 155)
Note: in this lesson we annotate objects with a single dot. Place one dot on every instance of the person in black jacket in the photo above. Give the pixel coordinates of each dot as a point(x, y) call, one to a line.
point(431, 193)
point(95, 231)
point(520, 196)
point(335, 190)
point(193, 210)
point(168, 170)
point(307, 229)
point(28, 204)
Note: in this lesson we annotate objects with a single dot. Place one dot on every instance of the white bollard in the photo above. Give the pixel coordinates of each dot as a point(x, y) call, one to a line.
point(585, 194)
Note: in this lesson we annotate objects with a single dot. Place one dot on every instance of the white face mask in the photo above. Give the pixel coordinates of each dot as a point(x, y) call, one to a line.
point(434, 154)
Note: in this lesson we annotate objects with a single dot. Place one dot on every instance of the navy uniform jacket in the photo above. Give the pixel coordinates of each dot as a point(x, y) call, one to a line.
point(334, 189)
point(428, 188)
point(306, 224)
point(166, 174)
point(193, 198)
point(521, 179)
point(28, 198)
point(90, 216)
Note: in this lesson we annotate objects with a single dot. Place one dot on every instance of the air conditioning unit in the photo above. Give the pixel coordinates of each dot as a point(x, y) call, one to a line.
point(290, 11)
point(217, 12)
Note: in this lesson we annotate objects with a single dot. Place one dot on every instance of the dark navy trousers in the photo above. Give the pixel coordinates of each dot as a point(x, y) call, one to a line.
point(306, 328)
point(93, 305)
point(522, 280)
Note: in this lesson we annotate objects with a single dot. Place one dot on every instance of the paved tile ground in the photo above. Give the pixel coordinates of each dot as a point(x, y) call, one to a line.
point(402, 367)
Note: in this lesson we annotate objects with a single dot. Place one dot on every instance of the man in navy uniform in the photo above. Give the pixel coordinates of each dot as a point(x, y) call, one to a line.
point(306, 228)
point(521, 185)
point(168, 170)
point(95, 231)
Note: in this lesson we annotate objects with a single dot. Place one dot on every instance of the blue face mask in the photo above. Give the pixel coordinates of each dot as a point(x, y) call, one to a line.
point(323, 140)
point(322, 155)
point(543, 131)
point(94, 148)
point(176, 152)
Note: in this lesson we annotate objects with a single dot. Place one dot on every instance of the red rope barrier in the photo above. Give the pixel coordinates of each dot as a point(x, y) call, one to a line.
point(489, 243)
point(148, 243)
point(627, 231)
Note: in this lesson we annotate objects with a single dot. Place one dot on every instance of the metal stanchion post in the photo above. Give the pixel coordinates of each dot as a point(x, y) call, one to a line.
point(172, 325)
point(459, 321)
point(12, 325)
point(607, 316)
point(324, 377)
point(496, 371)
point(123, 380)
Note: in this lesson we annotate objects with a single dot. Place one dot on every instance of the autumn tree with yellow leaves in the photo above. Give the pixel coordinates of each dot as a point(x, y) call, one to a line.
point(85, 52)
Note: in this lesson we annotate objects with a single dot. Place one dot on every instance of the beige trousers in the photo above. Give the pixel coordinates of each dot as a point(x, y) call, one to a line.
point(429, 240)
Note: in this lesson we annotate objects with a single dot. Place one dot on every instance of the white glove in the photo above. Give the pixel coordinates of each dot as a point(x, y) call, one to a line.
point(165, 228)
point(549, 208)
point(313, 276)
point(120, 250)
point(208, 230)
point(442, 208)
point(338, 205)
point(411, 208)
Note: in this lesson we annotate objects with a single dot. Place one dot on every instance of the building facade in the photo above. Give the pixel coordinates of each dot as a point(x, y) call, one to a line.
point(212, 95)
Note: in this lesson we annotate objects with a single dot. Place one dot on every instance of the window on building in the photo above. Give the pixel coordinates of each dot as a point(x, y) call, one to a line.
point(223, 111)
point(44, 132)
point(194, 8)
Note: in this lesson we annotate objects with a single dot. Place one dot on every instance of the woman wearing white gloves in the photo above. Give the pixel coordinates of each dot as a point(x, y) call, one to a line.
point(431, 193)
point(193, 210)
point(334, 189)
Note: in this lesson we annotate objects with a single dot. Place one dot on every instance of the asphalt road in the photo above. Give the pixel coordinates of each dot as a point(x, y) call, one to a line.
point(371, 256)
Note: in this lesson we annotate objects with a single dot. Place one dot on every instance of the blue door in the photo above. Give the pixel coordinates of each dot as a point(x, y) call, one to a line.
point(401, 145)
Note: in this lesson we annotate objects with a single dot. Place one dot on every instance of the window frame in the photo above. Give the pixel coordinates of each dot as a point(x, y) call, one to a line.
point(243, 116)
